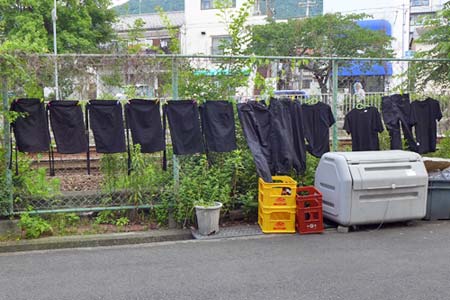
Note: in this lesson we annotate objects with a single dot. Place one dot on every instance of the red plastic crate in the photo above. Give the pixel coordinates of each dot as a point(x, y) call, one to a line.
point(308, 193)
point(309, 220)
point(309, 210)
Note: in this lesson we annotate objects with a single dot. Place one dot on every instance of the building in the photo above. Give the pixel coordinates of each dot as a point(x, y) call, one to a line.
point(417, 11)
point(202, 30)
point(154, 31)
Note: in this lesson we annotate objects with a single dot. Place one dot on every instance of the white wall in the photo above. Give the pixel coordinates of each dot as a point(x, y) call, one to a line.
point(208, 22)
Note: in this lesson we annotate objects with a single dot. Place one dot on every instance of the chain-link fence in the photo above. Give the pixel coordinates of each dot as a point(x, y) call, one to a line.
point(107, 185)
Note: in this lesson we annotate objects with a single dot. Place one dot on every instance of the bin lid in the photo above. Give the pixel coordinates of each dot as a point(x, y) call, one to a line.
point(367, 157)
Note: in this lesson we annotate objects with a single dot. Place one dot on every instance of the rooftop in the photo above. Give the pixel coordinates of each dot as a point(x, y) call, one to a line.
point(152, 21)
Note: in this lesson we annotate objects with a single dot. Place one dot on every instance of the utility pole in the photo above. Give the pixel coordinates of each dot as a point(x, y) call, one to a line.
point(55, 50)
point(308, 4)
point(140, 6)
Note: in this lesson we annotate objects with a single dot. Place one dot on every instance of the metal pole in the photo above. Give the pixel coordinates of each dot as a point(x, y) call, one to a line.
point(334, 67)
point(176, 167)
point(6, 140)
point(55, 50)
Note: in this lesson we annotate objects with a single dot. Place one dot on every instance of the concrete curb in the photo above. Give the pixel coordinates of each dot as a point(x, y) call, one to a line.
point(83, 241)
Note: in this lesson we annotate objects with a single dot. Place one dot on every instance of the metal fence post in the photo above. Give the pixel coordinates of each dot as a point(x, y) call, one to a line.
point(176, 167)
point(334, 67)
point(6, 139)
point(176, 174)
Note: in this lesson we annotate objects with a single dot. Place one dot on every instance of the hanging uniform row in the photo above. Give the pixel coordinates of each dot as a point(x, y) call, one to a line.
point(278, 135)
point(106, 120)
point(364, 124)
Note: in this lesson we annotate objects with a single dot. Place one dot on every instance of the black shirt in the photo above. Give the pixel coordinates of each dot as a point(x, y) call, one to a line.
point(423, 116)
point(364, 126)
point(317, 119)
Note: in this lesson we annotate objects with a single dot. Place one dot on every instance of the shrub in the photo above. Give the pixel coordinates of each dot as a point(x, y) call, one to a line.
point(34, 226)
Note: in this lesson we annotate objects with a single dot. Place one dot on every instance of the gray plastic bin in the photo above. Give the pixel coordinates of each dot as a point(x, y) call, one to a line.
point(372, 187)
point(438, 201)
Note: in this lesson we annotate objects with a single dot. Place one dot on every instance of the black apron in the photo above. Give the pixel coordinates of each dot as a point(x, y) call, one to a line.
point(106, 122)
point(31, 131)
point(66, 118)
point(144, 121)
point(218, 126)
point(184, 124)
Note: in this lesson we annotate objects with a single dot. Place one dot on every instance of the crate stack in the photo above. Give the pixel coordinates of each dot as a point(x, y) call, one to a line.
point(309, 210)
point(277, 205)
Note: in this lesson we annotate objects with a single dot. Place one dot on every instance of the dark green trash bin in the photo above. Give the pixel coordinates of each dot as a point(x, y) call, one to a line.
point(438, 202)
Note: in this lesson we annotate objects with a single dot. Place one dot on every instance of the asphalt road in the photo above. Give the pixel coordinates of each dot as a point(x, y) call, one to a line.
point(393, 263)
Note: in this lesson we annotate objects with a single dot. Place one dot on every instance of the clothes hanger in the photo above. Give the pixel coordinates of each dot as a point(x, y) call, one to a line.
point(361, 105)
point(311, 101)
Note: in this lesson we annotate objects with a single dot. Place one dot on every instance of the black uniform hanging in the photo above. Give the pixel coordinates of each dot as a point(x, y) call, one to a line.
point(317, 120)
point(144, 121)
point(424, 115)
point(218, 126)
point(31, 129)
point(184, 124)
point(66, 118)
point(286, 139)
point(396, 110)
point(364, 126)
point(298, 135)
point(106, 121)
point(255, 123)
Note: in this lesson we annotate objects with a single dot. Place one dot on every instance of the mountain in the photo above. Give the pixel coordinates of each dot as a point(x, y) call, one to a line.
point(148, 6)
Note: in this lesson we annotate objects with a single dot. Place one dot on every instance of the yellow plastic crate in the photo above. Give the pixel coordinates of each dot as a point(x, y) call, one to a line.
point(276, 220)
point(277, 194)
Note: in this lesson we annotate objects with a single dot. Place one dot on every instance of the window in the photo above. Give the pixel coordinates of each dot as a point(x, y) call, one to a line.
point(417, 19)
point(420, 2)
point(210, 4)
point(218, 44)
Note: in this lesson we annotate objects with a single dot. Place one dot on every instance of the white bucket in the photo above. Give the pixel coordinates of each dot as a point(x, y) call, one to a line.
point(208, 218)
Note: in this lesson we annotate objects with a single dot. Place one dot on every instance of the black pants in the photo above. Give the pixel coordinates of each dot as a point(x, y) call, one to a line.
point(255, 123)
point(287, 140)
point(396, 113)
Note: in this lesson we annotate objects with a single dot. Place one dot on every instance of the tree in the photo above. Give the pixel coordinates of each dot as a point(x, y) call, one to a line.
point(321, 36)
point(436, 34)
point(81, 27)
